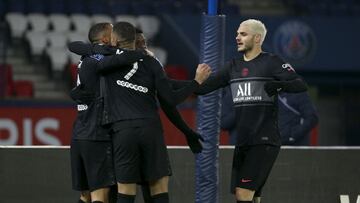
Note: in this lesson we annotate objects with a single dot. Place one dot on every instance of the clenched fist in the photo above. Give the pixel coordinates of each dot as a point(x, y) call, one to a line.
point(203, 71)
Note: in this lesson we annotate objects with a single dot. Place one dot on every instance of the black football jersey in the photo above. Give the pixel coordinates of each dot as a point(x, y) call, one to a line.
point(256, 112)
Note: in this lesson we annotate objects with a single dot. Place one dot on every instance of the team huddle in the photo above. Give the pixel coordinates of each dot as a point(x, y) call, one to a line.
point(118, 139)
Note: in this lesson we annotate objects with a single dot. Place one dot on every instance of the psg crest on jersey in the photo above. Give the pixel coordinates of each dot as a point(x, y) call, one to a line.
point(295, 41)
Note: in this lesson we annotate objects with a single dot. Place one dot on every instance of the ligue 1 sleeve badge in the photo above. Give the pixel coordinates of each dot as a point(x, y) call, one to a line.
point(295, 41)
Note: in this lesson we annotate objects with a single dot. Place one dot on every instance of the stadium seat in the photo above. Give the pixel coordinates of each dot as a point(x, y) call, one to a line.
point(18, 6)
point(57, 6)
point(36, 6)
point(165, 7)
point(81, 22)
point(73, 73)
point(7, 80)
point(58, 59)
point(143, 8)
point(60, 22)
point(128, 18)
point(94, 7)
point(18, 24)
point(24, 89)
point(77, 7)
point(74, 58)
point(230, 10)
point(119, 8)
point(38, 22)
point(57, 39)
point(355, 9)
point(37, 42)
point(160, 54)
point(100, 18)
point(2, 10)
point(150, 25)
point(76, 36)
point(339, 9)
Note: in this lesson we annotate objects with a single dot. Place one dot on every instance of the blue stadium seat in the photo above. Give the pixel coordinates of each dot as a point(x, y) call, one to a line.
point(166, 7)
point(120, 8)
point(57, 6)
point(142, 8)
point(36, 6)
point(319, 9)
point(187, 8)
point(339, 9)
point(98, 7)
point(78, 6)
point(230, 9)
point(2, 10)
point(16, 6)
point(355, 9)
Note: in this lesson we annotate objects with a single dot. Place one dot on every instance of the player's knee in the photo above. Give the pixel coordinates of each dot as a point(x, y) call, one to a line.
point(85, 197)
point(127, 189)
point(159, 186)
point(244, 194)
point(100, 195)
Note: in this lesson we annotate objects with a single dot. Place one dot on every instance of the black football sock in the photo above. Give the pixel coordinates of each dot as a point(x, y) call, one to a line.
point(161, 198)
point(244, 202)
point(146, 193)
point(97, 202)
point(80, 201)
point(122, 198)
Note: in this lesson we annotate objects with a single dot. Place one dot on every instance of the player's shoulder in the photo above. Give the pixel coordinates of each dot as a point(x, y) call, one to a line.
point(271, 57)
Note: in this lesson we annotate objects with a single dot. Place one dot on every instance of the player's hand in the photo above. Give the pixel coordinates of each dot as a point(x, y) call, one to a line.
point(81, 96)
point(193, 140)
point(273, 87)
point(203, 71)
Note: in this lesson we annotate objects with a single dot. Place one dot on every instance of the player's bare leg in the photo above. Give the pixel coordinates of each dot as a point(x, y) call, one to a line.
point(126, 192)
point(244, 195)
point(159, 190)
point(100, 195)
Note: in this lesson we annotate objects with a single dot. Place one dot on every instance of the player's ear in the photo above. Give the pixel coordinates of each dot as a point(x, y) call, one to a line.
point(257, 38)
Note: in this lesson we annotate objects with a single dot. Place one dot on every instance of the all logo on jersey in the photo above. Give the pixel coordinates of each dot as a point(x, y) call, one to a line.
point(244, 90)
point(244, 93)
point(250, 91)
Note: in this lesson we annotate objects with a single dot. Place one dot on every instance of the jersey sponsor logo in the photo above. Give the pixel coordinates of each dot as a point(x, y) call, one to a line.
point(130, 85)
point(243, 180)
point(295, 41)
point(249, 91)
point(288, 67)
point(82, 107)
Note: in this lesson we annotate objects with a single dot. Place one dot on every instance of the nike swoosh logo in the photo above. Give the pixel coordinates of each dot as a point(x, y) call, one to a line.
point(245, 180)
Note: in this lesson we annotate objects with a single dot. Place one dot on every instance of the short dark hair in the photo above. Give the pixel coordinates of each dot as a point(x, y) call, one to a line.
point(96, 30)
point(124, 30)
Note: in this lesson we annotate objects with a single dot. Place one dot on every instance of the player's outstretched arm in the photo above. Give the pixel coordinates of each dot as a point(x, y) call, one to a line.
point(192, 138)
point(163, 86)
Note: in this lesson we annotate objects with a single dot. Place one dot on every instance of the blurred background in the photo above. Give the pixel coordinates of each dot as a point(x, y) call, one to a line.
point(320, 38)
